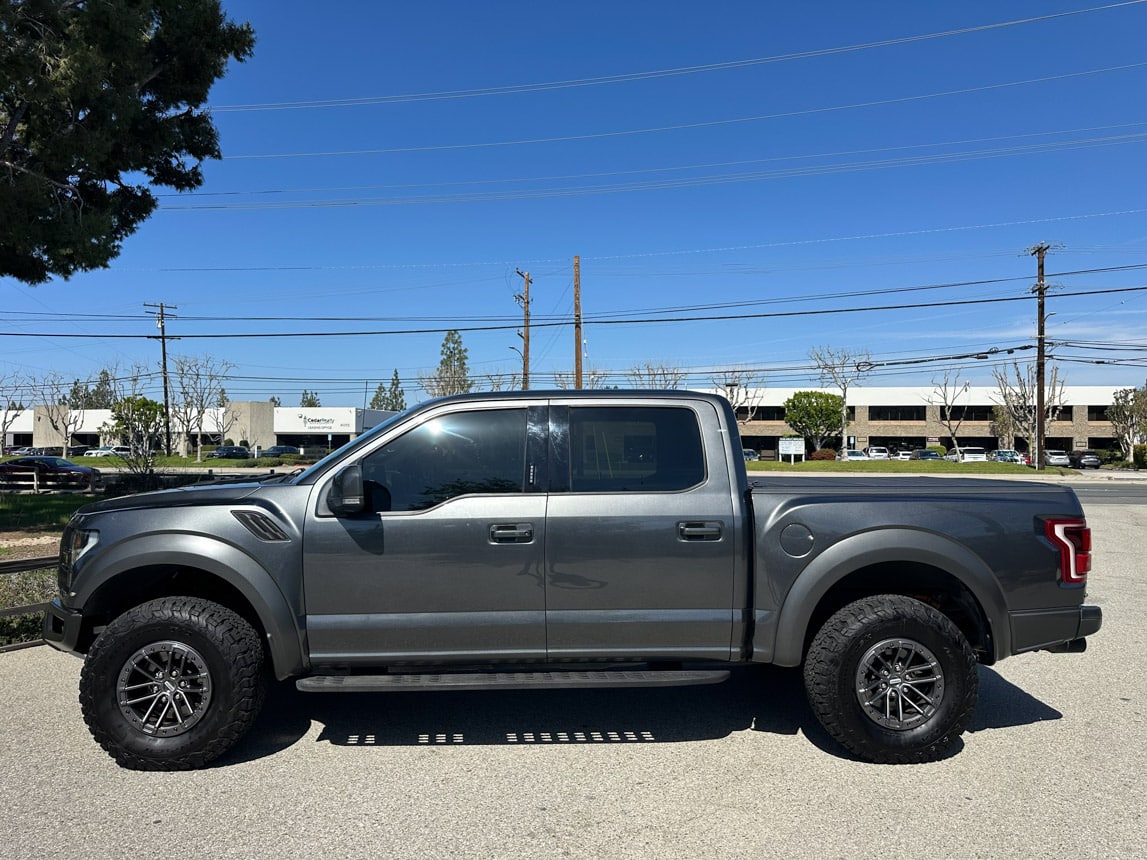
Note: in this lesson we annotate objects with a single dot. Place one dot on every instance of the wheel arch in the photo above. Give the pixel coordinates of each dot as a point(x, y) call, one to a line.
point(932, 568)
point(153, 566)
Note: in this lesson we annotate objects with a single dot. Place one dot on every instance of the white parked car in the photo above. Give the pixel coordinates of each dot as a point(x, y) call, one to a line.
point(967, 455)
point(109, 451)
point(877, 452)
point(851, 454)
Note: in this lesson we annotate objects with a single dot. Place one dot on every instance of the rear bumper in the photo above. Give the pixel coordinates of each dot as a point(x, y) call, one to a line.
point(1054, 629)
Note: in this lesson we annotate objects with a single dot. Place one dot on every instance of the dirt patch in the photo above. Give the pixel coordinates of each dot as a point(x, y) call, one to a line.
point(15, 545)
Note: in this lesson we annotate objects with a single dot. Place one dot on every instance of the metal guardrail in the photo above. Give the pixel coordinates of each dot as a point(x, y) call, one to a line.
point(21, 566)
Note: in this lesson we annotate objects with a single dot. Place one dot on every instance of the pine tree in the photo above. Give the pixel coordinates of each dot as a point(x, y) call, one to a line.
point(97, 102)
point(453, 373)
point(395, 396)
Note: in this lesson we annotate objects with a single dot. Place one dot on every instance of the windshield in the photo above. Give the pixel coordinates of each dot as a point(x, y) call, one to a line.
point(318, 468)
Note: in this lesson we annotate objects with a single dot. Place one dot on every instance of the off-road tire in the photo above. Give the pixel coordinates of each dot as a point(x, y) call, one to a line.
point(881, 710)
point(208, 679)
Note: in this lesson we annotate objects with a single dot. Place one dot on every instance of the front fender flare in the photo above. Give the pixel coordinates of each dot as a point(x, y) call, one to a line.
point(218, 558)
point(885, 546)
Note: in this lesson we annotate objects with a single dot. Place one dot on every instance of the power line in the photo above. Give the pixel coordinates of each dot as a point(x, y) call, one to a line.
point(648, 75)
point(183, 195)
point(602, 322)
point(685, 126)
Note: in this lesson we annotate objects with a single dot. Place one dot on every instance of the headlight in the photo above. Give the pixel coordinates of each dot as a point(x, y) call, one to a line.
point(73, 544)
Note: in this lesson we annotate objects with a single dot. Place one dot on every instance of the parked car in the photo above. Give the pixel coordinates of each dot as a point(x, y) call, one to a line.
point(877, 452)
point(1083, 460)
point(1056, 457)
point(1006, 455)
point(924, 454)
point(229, 452)
point(851, 454)
point(291, 450)
point(109, 451)
point(903, 455)
point(750, 454)
point(47, 470)
point(967, 455)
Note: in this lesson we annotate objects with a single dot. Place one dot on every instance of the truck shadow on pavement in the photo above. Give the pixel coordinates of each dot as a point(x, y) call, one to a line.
point(764, 699)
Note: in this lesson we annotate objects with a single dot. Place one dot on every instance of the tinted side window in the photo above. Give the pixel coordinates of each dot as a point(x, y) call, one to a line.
point(449, 456)
point(624, 449)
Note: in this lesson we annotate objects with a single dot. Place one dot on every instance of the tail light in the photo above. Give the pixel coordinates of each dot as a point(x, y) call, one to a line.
point(1072, 538)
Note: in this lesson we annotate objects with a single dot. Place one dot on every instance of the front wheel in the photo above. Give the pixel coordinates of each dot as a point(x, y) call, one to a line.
point(172, 684)
point(892, 679)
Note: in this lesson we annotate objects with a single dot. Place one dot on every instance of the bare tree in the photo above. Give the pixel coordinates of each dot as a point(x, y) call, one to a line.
point(503, 381)
point(591, 378)
point(11, 404)
point(652, 375)
point(198, 383)
point(51, 392)
point(223, 417)
point(744, 390)
point(1016, 396)
point(841, 368)
point(946, 393)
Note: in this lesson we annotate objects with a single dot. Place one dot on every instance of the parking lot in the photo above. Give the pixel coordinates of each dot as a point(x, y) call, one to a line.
point(1055, 765)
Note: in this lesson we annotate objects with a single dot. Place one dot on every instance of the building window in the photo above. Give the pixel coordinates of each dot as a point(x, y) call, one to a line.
point(899, 414)
point(1096, 413)
point(967, 413)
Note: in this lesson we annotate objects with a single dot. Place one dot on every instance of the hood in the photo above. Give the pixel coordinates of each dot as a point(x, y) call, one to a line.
point(197, 494)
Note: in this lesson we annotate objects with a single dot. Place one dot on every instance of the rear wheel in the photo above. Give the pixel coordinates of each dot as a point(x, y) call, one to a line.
point(892, 679)
point(172, 684)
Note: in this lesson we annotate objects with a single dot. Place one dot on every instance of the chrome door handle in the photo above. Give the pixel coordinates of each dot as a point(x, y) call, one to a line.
point(511, 532)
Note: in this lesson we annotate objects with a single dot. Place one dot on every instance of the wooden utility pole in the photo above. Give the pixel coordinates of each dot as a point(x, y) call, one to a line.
point(1040, 289)
point(577, 323)
point(524, 299)
point(160, 321)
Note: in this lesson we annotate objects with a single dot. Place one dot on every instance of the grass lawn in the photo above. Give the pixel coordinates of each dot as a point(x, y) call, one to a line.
point(38, 511)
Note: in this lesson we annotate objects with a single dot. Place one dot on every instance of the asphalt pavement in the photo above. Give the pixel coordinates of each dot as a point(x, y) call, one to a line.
point(1054, 766)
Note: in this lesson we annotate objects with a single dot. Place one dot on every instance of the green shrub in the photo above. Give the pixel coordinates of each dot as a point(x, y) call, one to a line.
point(1140, 456)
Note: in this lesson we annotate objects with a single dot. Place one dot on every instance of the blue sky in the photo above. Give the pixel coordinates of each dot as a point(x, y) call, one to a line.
point(390, 166)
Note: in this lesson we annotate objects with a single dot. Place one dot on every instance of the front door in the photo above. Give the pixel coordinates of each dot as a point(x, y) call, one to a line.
point(446, 563)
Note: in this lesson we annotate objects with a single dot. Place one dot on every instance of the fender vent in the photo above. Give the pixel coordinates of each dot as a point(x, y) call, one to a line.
point(261, 526)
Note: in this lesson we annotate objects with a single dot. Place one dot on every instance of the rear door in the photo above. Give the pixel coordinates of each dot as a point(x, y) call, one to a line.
point(640, 544)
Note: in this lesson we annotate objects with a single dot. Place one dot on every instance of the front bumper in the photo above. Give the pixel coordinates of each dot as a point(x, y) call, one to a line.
point(63, 628)
point(1054, 629)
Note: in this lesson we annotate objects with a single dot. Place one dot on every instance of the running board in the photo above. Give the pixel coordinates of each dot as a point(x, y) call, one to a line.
point(508, 680)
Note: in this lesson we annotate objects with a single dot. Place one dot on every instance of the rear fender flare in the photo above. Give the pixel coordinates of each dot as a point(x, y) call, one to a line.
point(884, 546)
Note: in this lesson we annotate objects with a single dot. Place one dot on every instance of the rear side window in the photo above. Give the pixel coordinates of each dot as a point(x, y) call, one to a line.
point(629, 449)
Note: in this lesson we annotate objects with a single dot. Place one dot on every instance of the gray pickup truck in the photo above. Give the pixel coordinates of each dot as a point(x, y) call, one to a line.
point(577, 539)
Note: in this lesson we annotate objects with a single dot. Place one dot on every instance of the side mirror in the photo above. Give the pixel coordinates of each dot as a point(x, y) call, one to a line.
point(346, 494)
